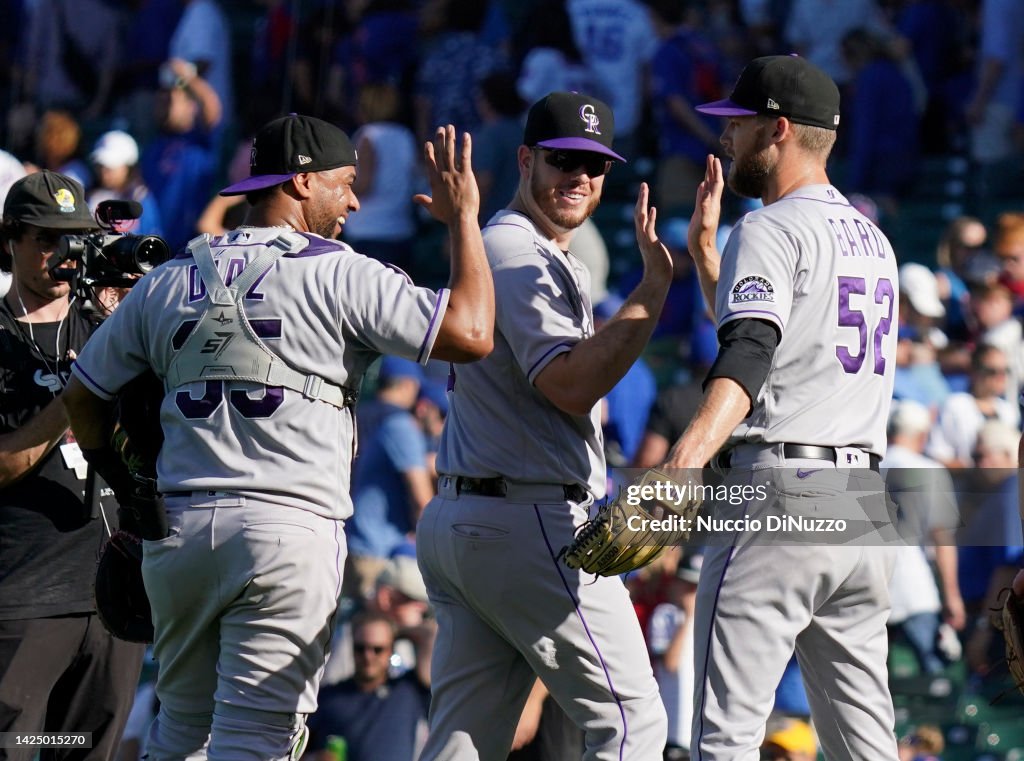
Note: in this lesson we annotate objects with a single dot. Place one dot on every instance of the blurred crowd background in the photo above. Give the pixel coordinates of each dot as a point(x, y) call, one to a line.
point(156, 100)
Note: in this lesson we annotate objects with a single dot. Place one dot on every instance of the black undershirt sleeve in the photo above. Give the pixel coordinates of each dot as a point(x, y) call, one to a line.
point(747, 348)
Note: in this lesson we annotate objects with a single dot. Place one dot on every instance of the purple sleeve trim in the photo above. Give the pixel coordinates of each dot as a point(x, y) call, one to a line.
point(317, 246)
point(550, 354)
point(758, 312)
point(434, 327)
point(400, 271)
point(95, 387)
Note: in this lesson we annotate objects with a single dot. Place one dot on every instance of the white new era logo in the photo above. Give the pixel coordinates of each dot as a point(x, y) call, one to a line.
point(773, 104)
point(305, 159)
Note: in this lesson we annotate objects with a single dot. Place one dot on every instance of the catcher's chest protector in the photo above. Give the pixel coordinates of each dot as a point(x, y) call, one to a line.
point(223, 345)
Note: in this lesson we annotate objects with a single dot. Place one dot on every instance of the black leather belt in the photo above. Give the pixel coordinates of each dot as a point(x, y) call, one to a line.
point(496, 487)
point(723, 460)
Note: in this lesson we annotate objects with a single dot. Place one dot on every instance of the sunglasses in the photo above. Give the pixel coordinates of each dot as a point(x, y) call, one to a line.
point(992, 370)
point(594, 164)
point(362, 647)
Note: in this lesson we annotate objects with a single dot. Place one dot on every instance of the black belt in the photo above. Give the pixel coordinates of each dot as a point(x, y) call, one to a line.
point(496, 487)
point(723, 460)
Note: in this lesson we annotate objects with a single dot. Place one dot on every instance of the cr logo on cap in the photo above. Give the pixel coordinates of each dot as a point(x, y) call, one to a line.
point(589, 118)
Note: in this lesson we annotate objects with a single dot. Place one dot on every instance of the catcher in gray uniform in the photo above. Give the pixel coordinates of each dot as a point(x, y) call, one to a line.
point(521, 459)
point(259, 337)
point(805, 295)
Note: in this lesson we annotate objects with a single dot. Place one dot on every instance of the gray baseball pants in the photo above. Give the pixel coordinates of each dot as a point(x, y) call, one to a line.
point(762, 598)
point(508, 609)
point(243, 595)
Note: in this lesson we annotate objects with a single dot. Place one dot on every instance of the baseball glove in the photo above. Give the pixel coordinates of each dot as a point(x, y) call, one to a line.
point(121, 600)
point(1011, 622)
point(611, 543)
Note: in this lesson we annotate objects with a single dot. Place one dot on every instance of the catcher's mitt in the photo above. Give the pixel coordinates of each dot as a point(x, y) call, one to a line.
point(121, 600)
point(1011, 622)
point(611, 544)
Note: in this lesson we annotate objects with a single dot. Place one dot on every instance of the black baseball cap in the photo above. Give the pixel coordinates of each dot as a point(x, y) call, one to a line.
point(292, 144)
point(571, 121)
point(782, 85)
point(51, 200)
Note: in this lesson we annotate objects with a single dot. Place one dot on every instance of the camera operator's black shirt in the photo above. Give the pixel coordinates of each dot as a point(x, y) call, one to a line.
point(49, 535)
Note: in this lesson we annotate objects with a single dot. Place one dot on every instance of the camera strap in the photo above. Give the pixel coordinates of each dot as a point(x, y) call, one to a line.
point(224, 346)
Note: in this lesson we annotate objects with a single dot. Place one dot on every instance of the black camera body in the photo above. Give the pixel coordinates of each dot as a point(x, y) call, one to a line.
point(108, 259)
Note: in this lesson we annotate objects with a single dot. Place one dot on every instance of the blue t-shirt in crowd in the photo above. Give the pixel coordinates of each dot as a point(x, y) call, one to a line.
point(991, 538)
point(629, 404)
point(179, 171)
point(686, 66)
point(379, 493)
point(376, 725)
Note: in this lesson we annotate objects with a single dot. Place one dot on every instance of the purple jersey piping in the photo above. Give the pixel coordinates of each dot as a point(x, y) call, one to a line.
point(317, 247)
point(695, 741)
point(81, 373)
point(590, 636)
point(431, 333)
point(563, 345)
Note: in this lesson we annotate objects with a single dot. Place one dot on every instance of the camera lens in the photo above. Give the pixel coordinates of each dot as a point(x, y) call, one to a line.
point(149, 252)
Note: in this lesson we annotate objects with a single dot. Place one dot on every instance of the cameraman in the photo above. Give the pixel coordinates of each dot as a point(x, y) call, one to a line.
point(61, 670)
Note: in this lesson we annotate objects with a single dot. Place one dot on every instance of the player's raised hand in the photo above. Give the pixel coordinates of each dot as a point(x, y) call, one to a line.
point(657, 259)
point(453, 187)
point(707, 211)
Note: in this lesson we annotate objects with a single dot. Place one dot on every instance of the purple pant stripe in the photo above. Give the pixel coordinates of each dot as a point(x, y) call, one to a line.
point(590, 636)
point(695, 741)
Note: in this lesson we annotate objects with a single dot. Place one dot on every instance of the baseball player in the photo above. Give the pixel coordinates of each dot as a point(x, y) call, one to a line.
point(521, 458)
point(260, 336)
point(805, 295)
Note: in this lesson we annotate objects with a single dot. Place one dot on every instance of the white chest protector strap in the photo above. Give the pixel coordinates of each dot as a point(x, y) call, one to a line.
point(223, 345)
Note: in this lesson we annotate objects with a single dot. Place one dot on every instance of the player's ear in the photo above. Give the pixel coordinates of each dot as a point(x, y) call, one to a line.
point(302, 185)
point(526, 158)
point(781, 127)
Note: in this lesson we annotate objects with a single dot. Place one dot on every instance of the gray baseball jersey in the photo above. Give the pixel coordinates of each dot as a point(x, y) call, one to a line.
point(352, 309)
point(499, 424)
point(577, 633)
point(826, 277)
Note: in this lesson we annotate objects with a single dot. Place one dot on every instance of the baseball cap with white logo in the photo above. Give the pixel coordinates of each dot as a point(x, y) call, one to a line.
point(571, 121)
point(292, 144)
point(782, 85)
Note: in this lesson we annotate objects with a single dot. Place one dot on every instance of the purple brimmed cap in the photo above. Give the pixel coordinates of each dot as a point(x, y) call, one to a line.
point(571, 121)
point(782, 85)
point(292, 144)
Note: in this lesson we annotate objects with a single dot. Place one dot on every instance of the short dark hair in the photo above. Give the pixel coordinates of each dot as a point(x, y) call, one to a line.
point(979, 354)
point(10, 229)
point(369, 617)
